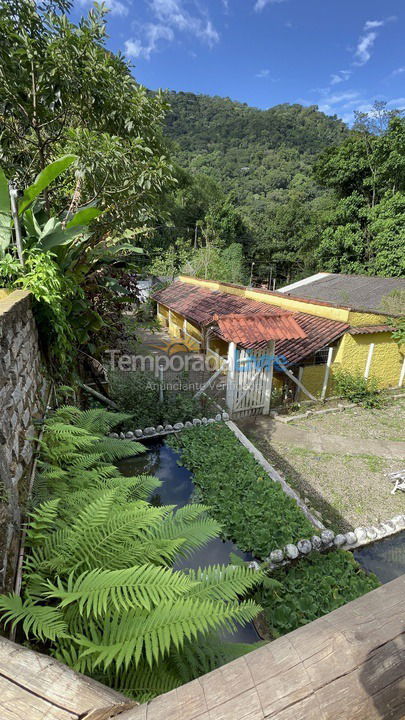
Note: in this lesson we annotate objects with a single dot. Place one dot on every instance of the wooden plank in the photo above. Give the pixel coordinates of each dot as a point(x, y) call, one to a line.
point(55, 683)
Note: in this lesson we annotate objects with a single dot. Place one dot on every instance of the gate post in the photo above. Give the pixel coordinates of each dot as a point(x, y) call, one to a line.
point(230, 380)
point(269, 377)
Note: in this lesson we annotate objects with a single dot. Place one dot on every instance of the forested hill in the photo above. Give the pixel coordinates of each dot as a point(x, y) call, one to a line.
point(200, 123)
point(264, 158)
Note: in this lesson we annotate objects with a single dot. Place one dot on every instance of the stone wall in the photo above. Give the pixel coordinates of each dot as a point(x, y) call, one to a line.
point(23, 391)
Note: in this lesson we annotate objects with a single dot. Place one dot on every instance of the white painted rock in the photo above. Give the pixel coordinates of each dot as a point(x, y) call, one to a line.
point(204, 420)
point(138, 433)
point(178, 426)
point(168, 427)
point(129, 435)
point(291, 551)
point(327, 537)
point(210, 421)
point(149, 431)
point(361, 534)
point(196, 422)
point(276, 556)
point(316, 542)
point(304, 546)
point(114, 435)
point(218, 417)
point(339, 540)
point(372, 533)
point(159, 428)
point(254, 565)
point(225, 416)
point(351, 538)
point(188, 424)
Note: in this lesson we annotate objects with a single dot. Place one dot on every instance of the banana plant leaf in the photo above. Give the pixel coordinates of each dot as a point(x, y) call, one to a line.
point(83, 217)
point(44, 179)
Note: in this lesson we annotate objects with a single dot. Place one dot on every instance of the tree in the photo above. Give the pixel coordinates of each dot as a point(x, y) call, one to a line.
point(364, 232)
point(62, 91)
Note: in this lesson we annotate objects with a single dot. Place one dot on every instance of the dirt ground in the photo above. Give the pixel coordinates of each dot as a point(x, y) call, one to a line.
point(386, 422)
point(345, 489)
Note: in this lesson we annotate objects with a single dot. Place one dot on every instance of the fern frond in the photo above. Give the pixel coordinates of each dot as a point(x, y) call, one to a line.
point(99, 591)
point(42, 521)
point(42, 622)
point(223, 582)
point(125, 639)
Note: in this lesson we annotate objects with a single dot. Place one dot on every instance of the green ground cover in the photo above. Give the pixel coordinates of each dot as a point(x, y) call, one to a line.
point(252, 509)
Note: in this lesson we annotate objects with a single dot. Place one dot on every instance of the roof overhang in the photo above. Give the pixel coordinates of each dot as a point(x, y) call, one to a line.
point(257, 329)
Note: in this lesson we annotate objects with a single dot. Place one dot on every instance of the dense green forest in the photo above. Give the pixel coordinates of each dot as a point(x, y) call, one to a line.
point(288, 189)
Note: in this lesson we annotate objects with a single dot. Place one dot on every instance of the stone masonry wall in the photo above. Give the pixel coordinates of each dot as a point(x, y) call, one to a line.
point(23, 391)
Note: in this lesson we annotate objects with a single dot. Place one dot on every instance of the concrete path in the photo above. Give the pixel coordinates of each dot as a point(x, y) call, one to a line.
point(318, 442)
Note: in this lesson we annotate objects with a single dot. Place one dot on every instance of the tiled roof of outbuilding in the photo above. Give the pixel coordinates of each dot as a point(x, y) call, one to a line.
point(256, 329)
point(199, 305)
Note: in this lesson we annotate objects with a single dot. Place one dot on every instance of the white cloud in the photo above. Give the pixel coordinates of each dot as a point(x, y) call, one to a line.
point(261, 4)
point(152, 34)
point(367, 39)
point(340, 76)
point(398, 71)
point(170, 17)
point(116, 7)
point(263, 73)
point(364, 47)
point(173, 14)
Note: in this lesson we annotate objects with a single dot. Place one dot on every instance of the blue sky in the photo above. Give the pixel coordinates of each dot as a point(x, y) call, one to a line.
point(338, 54)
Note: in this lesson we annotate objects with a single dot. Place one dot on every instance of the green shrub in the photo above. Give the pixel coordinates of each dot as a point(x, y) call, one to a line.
point(358, 389)
point(314, 586)
point(137, 393)
point(252, 509)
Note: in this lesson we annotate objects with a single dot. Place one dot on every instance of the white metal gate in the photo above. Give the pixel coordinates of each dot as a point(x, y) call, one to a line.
point(250, 375)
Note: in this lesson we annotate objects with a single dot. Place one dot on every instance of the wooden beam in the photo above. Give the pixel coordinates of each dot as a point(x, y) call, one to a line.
point(294, 379)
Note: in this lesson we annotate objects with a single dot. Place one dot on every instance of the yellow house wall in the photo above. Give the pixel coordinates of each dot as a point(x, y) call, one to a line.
point(387, 359)
point(193, 331)
point(219, 346)
point(312, 379)
point(357, 319)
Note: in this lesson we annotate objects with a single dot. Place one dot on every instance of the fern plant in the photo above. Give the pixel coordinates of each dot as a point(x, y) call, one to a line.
point(100, 592)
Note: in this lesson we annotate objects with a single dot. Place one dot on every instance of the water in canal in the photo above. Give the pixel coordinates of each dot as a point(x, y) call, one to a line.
point(178, 489)
point(385, 558)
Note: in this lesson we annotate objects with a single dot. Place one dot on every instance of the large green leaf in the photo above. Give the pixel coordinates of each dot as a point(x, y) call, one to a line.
point(44, 179)
point(5, 212)
point(61, 237)
point(84, 216)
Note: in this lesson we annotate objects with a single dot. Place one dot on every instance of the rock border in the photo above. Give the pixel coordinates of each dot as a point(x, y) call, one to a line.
point(328, 540)
point(168, 429)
